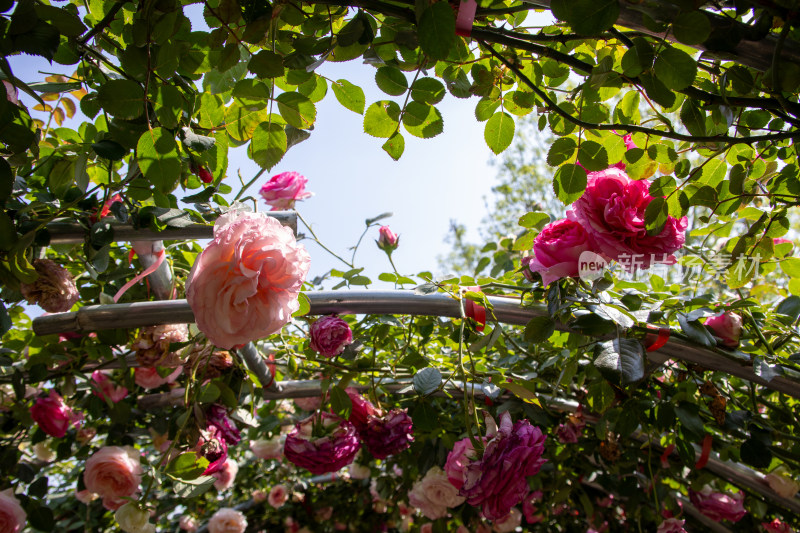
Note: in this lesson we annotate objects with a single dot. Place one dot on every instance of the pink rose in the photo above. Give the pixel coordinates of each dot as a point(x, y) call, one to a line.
point(776, 526)
point(113, 472)
point(508, 523)
point(226, 475)
point(570, 432)
point(727, 326)
point(244, 285)
point(718, 506)
point(259, 496)
point(388, 241)
point(322, 443)
point(362, 409)
point(188, 523)
point(309, 404)
point(227, 520)
point(12, 516)
point(53, 415)
point(388, 434)
point(149, 378)
point(426, 528)
point(84, 496)
point(498, 481)
point(671, 525)
point(529, 510)
point(782, 485)
point(525, 263)
point(54, 290)
point(557, 249)
point(267, 449)
point(330, 335)
point(429, 509)
point(612, 210)
point(457, 460)
point(438, 489)
point(283, 190)
point(104, 388)
point(277, 496)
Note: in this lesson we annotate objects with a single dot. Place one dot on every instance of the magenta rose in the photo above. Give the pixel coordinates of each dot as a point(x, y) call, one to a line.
point(114, 473)
point(54, 290)
point(330, 335)
point(498, 480)
point(612, 210)
point(719, 506)
point(362, 409)
point(388, 434)
point(226, 475)
point(283, 190)
point(462, 454)
point(387, 239)
point(53, 415)
point(244, 285)
point(557, 249)
point(334, 449)
point(727, 326)
point(104, 388)
point(776, 526)
point(212, 446)
point(12, 515)
point(217, 417)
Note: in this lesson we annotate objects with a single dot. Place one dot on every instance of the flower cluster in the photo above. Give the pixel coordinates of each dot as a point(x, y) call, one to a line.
point(607, 220)
point(497, 481)
point(322, 443)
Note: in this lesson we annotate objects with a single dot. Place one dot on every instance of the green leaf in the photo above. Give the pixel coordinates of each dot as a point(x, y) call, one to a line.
point(693, 118)
point(691, 27)
point(169, 106)
point(266, 64)
point(499, 132)
point(620, 361)
point(638, 58)
point(269, 145)
point(486, 108)
point(382, 119)
point(587, 17)
point(755, 453)
point(121, 98)
point(696, 331)
point(187, 466)
point(67, 23)
point(425, 417)
point(5, 320)
point(349, 95)
point(689, 416)
point(394, 146)
point(109, 149)
point(427, 380)
point(391, 80)
point(534, 219)
point(297, 109)
point(437, 30)
point(655, 216)
point(212, 111)
point(539, 329)
point(593, 156)
point(561, 151)
point(201, 197)
point(251, 92)
point(657, 90)
point(190, 489)
point(157, 155)
point(569, 183)
point(41, 518)
point(61, 177)
point(428, 91)
point(305, 305)
point(422, 120)
point(241, 122)
point(675, 68)
point(341, 403)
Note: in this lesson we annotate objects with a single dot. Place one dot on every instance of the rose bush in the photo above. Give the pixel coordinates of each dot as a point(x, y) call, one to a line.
point(245, 284)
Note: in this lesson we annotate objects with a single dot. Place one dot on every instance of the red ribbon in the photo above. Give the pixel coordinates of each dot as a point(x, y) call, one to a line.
point(665, 456)
point(465, 17)
point(271, 366)
point(146, 272)
point(477, 312)
point(660, 341)
point(701, 462)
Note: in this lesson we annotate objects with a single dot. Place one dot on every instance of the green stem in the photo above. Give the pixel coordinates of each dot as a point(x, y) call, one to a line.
point(316, 239)
point(248, 184)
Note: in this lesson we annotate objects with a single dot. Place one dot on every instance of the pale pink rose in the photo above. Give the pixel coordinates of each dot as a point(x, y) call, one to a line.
point(227, 520)
point(727, 326)
point(267, 449)
point(358, 471)
point(283, 190)
point(188, 523)
point(226, 475)
point(557, 249)
point(259, 496)
point(457, 460)
point(148, 378)
point(776, 526)
point(612, 210)
point(277, 496)
point(417, 498)
point(438, 489)
point(671, 525)
point(53, 415)
point(104, 388)
point(782, 485)
point(54, 290)
point(508, 523)
point(113, 472)
point(244, 286)
point(12, 516)
point(330, 335)
point(426, 528)
point(309, 403)
point(85, 435)
point(84, 496)
point(388, 241)
point(44, 452)
point(719, 506)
